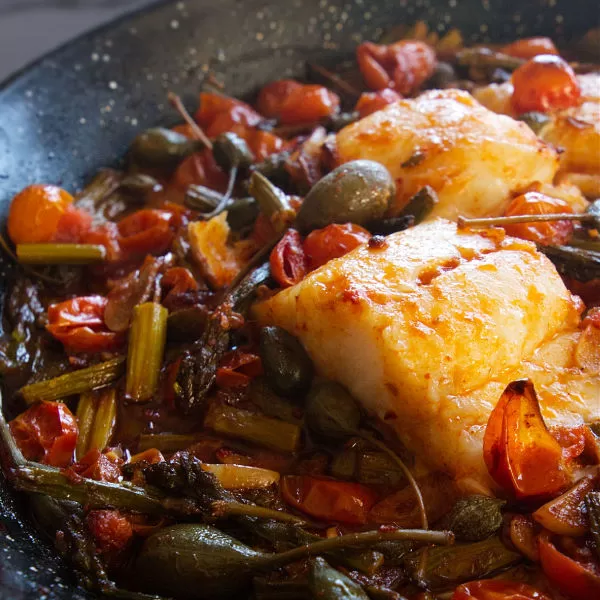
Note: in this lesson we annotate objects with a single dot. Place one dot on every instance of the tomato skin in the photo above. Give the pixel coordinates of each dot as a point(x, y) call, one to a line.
point(288, 261)
point(493, 589)
point(96, 465)
point(545, 83)
point(403, 65)
point(112, 530)
point(529, 47)
point(79, 325)
point(272, 96)
point(218, 114)
point(237, 369)
point(571, 577)
point(147, 231)
point(263, 143)
point(370, 102)
point(73, 226)
point(46, 432)
point(535, 203)
point(106, 235)
point(520, 453)
point(35, 212)
point(328, 499)
point(333, 241)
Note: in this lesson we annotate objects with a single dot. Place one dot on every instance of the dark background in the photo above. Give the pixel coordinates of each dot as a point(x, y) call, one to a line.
point(29, 28)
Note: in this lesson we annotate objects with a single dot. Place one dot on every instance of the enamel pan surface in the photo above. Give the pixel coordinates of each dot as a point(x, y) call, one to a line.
point(76, 109)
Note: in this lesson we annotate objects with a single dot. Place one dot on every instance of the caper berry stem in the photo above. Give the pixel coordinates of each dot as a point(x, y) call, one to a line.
point(221, 508)
point(464, 222)
point(176, 102)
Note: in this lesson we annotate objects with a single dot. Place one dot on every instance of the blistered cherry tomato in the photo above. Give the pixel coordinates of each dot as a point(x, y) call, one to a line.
point(530, 47)
point(272, 96)
point(328, 499)
point(489, 589)
point(403, 65)
point(370, 102)
point(534, 203)
point(238, 368)
point(545, 83)
point(218, 114)
point(46, 432)
point(288, 261)
point(333, 241)
point(147, 231)
point(35, 212)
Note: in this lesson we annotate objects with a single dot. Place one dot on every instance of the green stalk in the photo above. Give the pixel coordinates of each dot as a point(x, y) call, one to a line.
point(60, 254)
point(104, 420)
point(76, 382)
point(86, 412)
point(258, 429)
point(147, 340)
point(166, 442)
point(493, 221)
point(223, 508)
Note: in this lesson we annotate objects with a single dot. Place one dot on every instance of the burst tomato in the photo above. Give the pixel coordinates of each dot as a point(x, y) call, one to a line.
point(147, 231)
point(333, 241)
point(288, 260)
point(530, 47)
point(489, 589)
point(370, 102)
point(46, 432)
point(544, 83)
point(328, 499)
point(520, 453)
point(112, 530)
point(218, 114)
point(238, 368)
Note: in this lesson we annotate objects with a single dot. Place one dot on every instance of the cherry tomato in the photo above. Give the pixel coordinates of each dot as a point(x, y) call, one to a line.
point(218, 114)
point(530, 47)
point(177, 281)
point(198, 169)
point(535, 203)
point(106, 235)
point(493, 589)
point(333, 241)
point(403, 65)
point(96, 465)
point(288, 261)
point(147, 231)
point(35, 212)
point(273, 95)
point(520, 453)
point(111, 529)
point(574, 579)
point(545, 83)
point(263, 143)
point(300, 103)
point(46, 432)
point(73, 226)
point(238, 368)
point(370, 102)
point(328, 499)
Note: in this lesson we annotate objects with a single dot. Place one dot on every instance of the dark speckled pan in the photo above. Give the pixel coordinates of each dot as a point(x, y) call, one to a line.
point(76, 110)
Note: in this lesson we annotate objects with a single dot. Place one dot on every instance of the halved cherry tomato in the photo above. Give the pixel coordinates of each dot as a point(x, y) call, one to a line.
point(493, 589)
point(370, 102)
point(147, 231)
point(545, 83)
point(112, 530)
point(535, 203)
point(333, 241)
point(79, 324)
point(273, 95)
point(218, 114)
point(308, 104)
point(288, 261)
point(263, 143)
point(237, 369)
point(198, 169)
point(574, 579)
point(35, 212)
point(328, 499)
point(177, 281)
point(520, 453)
point(46, 432)
point(403, 65)
point(73, 226)
point(106, 235)
point(530, 47)
point(96, 465)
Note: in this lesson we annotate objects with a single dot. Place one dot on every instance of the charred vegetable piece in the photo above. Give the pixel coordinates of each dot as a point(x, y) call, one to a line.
point(474, 518)
point(329, 584)
point(391, 225)
point(271, 404)
point(287, 366)
point(166, 442)
point(592, 503)
point(198, 368)
point(96, 417)
point(60, 254)
point(200, 562)
point(331, 412)
point(356, 192)
point(147, 339)
point(447, 567)
point(162, 148)
point(420, 205)
point(486, 58)
point(267, 589)
point(187, 324)
point(578, 263)
point(77, 382)
point(341, 120)
point(255, 428)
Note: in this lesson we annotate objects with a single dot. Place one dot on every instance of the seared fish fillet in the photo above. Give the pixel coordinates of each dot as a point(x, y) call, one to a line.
point(427, 331)
point(472, 157)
